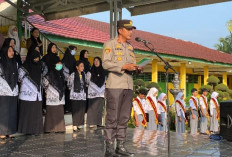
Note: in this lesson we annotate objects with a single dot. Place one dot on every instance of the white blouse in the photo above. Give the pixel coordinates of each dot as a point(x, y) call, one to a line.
point(212, 106)
point(179, 109)
point(93, 90)
point(5, 89)
point(191, 103)
point(148, 106)
point(28, 90)
point(136, 107)
point(74, 95)
point(201, 101)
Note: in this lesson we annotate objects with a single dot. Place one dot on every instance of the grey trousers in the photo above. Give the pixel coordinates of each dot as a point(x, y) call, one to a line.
point(204, 122)
point(118, 108)
point(194, 123)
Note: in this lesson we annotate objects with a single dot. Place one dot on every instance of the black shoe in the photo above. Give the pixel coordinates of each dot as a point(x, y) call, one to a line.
point(110, 149)
point(121, 150)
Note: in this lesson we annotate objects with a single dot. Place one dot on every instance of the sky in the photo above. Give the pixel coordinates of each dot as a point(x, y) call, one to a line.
point(203, 25)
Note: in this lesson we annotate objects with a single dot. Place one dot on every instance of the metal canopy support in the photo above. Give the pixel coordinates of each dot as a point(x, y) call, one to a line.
point(115, 15)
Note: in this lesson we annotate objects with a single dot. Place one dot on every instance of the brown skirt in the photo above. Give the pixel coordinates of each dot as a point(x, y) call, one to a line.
point(30, 117)
point(54, 119)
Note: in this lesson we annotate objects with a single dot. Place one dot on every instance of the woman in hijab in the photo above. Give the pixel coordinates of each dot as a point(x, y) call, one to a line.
point(214, 113)
point(69, 63)
point(180, 112)
point(12, 42)
point(77, 86)
point(30, 77)
point(84, 58)
point(34, 42)
point(163, 110)
point(13, 33)
point(54, 86)
point(96, 89)
point(8, 93)
point(152, 109)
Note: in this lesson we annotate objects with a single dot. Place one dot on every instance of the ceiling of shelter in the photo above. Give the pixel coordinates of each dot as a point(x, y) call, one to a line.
point(56, 9)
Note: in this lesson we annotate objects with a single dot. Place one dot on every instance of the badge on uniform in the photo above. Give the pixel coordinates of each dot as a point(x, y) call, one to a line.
point(107, 50)
point(119, 58)
point(130, 47)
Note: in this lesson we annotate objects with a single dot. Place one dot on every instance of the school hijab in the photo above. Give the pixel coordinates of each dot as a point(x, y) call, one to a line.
point(14, 35)
point(98, 74)
point(69, 59)
point(34, 69)
point(85, 61)
point(151, 93)
point(178, 97)
point(215, 95)
point(161, 97)
point(9, 67)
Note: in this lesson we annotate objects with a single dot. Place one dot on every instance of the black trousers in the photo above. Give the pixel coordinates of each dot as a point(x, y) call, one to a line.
point(118, 108)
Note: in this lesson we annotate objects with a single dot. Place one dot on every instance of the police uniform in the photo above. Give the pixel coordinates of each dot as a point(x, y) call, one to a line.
point(119, 86)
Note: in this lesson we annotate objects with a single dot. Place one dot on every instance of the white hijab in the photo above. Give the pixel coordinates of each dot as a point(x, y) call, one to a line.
point(161, 97)
point(214, 95)
point(13, 34)
point(178, 97)
point(151, 93)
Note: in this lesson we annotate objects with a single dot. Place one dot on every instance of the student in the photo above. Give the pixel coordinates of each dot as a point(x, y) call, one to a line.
point(84, 54)
point(96, 89)
point(77, 86)
point(30, 96)
point(34, 42)
point(54, 87)
point(139, 104)
point(163, 110)
point(13, 33)
point(152, 109)
point(204, 111)
point(180, 111)
point(214, 113)
point(193, 102)
point(8, 93)
point(69, 65)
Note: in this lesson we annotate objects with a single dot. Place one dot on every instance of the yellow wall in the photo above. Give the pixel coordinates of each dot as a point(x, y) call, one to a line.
point(224, 78)
point(183, 77)
point(206, 74)
point(154, 74)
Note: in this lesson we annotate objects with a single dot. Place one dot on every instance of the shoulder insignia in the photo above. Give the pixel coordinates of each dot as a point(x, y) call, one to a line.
point(107, 50)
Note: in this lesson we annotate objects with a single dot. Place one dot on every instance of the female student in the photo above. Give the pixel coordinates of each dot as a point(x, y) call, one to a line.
point(8, 92)
point(96, 89)
point(152, 109)
point(180, 112)
point(54, 86)
point(30, 77)
point(163, 110)
point(77, 86)
point(34, 42)
point(214, 113)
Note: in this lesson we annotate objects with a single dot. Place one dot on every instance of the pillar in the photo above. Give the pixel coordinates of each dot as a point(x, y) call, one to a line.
point(224, 78)
point(154, 74)
point(230, 82)
point(199, 81)
point(183, 77)
point(206, 74)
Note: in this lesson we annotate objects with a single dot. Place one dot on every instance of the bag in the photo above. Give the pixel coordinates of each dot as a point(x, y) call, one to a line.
point(216, 137)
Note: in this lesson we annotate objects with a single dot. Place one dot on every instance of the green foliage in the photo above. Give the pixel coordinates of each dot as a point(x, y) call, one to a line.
point(139, 83)
point(149, 85)
point(225, 44)
point(213, 80)
point(221, 87)
point(186, 100)
point(208, 87)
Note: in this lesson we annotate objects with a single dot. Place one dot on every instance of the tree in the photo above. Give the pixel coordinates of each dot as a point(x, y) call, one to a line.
point(213, 81)
point(225, 44)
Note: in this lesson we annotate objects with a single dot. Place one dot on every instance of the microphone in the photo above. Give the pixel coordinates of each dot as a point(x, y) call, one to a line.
point(141, 40)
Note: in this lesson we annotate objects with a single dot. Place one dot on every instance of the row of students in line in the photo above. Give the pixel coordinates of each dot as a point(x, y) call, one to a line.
point(48, 74)
point(149, 112)
point(207, 112)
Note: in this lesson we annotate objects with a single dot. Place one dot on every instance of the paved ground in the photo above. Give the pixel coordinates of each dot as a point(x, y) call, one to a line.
point(89, 143)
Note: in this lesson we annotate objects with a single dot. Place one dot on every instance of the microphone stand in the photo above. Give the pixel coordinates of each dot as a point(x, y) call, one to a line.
point(166, 67)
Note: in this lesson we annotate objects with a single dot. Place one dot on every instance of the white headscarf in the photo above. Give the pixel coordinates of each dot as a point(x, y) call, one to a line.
point(13, 34)
point(214, 95)
point(178, 97)
point(151, 93)
point(161, 97)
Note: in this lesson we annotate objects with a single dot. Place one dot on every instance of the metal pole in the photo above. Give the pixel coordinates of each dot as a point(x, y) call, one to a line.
point(115, 16)
point(111, 20)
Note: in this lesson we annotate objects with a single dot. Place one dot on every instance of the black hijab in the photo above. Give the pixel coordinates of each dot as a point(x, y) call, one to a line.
point(69, 60)
point(16, 54)
point(77, 81)
point(9, 67)
point(55, 77)
point(33, 69)
point(85, 61)
point(98, 74)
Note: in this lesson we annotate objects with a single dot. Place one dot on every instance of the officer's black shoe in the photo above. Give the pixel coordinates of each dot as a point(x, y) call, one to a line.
point(121, 150)
point(110, 149)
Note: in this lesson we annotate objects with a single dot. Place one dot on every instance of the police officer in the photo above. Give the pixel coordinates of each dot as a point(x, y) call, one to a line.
point(119, 61)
